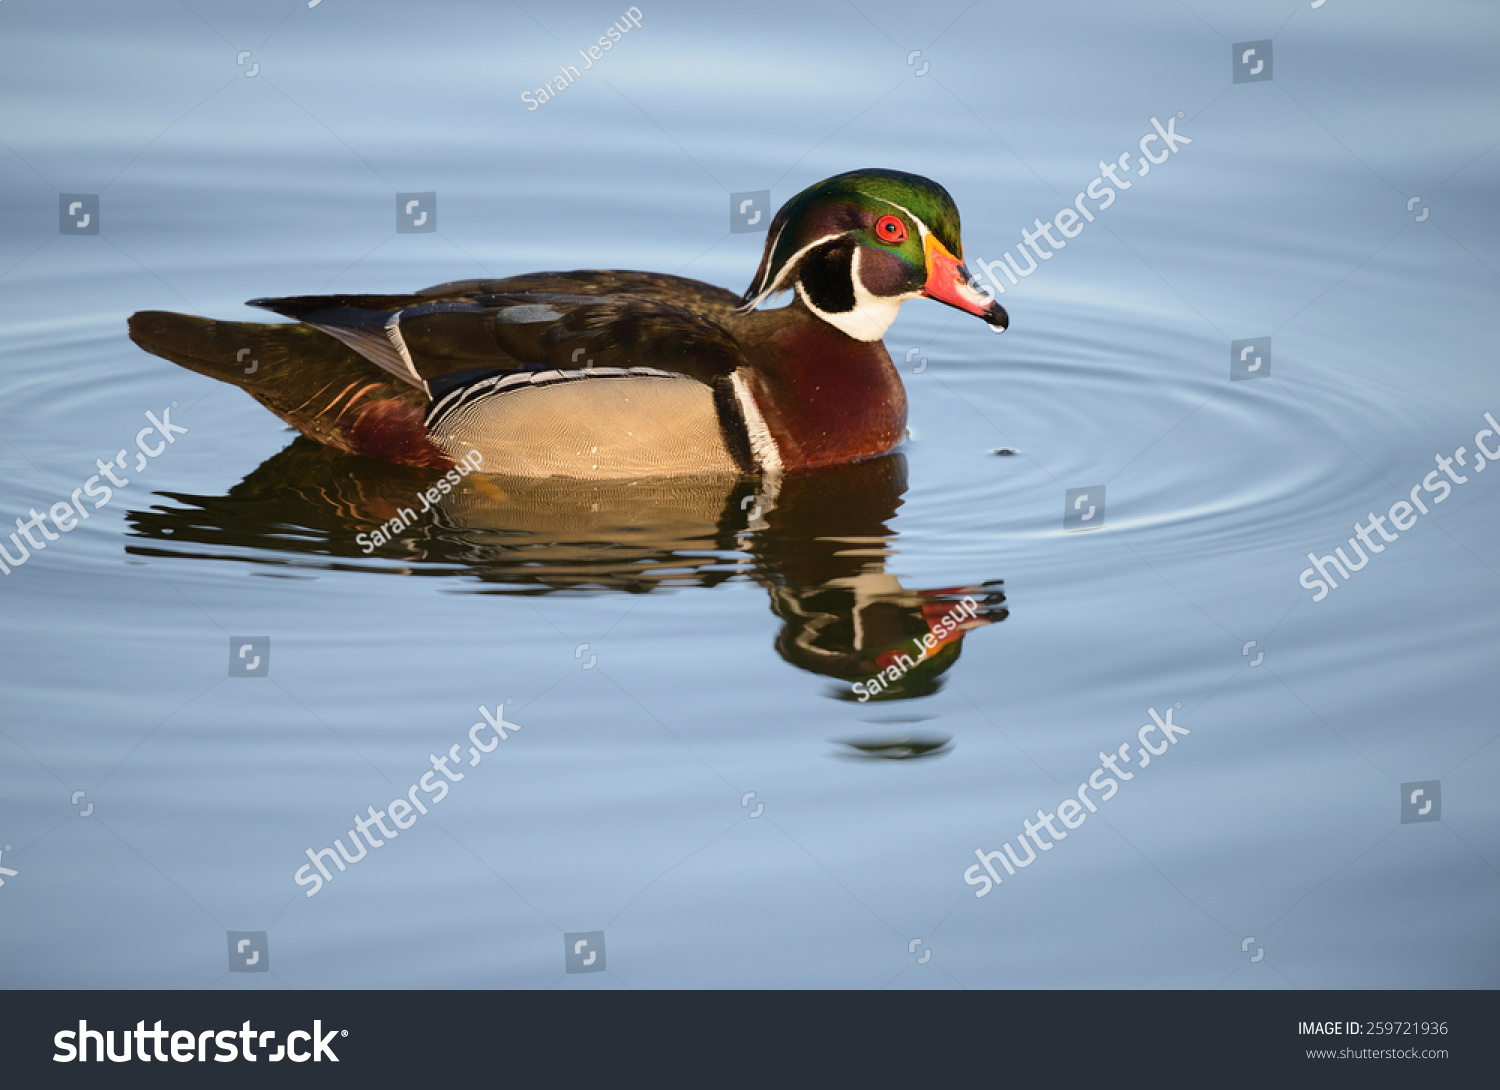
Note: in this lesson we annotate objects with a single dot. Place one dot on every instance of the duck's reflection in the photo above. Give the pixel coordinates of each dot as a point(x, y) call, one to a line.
point(817, 541)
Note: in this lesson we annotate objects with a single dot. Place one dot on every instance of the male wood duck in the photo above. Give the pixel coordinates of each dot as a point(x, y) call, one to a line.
point(612, 374)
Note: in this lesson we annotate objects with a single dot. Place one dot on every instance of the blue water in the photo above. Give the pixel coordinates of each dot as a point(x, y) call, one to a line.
point(668, 653)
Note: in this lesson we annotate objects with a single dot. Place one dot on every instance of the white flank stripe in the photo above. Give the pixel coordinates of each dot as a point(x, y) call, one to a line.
point(393, 334)
point(762, 446)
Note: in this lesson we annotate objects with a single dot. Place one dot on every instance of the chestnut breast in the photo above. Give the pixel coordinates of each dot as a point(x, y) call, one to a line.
point(826, 397)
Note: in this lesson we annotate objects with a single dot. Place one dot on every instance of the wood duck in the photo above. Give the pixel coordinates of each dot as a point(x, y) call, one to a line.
point(615, 374)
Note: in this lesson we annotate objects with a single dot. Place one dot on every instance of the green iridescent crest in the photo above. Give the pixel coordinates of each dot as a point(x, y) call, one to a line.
point(852, 203)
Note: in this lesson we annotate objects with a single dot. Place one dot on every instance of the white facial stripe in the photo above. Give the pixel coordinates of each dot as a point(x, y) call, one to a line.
point(771, 249)
point(778, 285)
point(872, 314)
point(978, 298)
point(921, 227)
point(786, 270)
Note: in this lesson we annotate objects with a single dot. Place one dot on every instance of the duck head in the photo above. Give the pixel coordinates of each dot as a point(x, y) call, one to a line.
point(856, 246)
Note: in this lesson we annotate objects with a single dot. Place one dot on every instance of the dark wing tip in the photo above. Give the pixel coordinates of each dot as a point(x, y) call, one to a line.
point(292, 306)
point(274, 305)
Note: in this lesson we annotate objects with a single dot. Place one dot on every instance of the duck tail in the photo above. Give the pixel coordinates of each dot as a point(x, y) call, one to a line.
point(319, 386)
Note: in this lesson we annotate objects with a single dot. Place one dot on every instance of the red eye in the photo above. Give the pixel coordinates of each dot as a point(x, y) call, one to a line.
point(890, 229)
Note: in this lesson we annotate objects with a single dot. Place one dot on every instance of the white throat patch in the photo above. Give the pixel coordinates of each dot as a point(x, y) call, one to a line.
point(872, 314)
